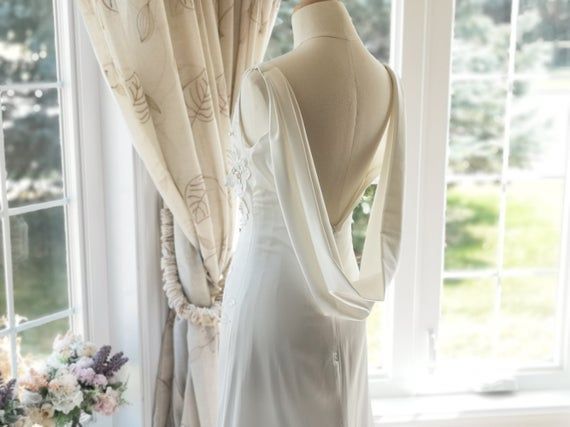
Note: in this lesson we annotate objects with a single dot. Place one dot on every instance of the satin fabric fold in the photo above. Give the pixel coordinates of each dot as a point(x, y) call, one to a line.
point(305, 213)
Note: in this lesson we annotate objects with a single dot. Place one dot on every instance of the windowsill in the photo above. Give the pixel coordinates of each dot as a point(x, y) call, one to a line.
point(459, 409)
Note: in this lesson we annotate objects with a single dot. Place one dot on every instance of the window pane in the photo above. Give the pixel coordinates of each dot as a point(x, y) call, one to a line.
point(5, 357)
point(472, 218)
point(533, 224)
point(539, 127)
point(40, 265)
point(27, 43)
point(33, 149)
point(481, 36)
point(476, 127)
point(36, 343)
point(543, 36)
point(465, 331)
point(372, 19)
point(528, 319)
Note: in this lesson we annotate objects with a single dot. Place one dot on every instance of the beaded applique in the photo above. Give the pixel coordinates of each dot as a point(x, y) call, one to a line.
point(238, 178)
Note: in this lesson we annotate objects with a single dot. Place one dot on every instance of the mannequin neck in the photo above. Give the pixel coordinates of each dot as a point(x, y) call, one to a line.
point(328, 18)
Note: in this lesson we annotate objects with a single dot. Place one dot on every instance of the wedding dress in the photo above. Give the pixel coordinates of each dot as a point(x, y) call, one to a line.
point(293, 348)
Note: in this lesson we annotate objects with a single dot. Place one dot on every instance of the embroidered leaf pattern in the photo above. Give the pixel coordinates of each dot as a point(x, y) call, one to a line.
point(195, 194)
point(188, 4)
point(110, 5)
point(152, 104)
point(145, 22)
point(221, 18)
point(137, 97)
point(198, 98)
point(222, 95)
point(112, 78)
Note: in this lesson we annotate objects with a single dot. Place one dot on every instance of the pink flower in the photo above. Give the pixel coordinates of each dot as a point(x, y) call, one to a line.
point(84, 375)
point(108, 402)
point(100, 380)
point(33, 381)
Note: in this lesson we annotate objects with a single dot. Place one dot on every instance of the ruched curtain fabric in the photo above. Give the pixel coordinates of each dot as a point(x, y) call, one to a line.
point(174, 67)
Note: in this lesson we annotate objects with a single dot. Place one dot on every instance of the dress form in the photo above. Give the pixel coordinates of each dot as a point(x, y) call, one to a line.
point(344, 95)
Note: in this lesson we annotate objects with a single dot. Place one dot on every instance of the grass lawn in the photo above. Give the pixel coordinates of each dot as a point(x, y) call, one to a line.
point(481, 321)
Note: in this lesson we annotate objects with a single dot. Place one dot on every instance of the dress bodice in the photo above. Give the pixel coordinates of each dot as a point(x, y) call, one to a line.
point(278, 189)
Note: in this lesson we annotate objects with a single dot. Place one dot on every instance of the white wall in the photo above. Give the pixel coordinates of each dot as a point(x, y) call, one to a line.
point(136, 302)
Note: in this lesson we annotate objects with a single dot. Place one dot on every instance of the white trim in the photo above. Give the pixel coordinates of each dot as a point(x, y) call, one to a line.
point(90, 166)
point(30, 324)
point(34, 207)
point(529, 409)
point(150, 296)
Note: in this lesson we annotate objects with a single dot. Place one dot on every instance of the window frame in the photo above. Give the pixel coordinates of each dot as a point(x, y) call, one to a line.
point(421, 51)
point(82, 201)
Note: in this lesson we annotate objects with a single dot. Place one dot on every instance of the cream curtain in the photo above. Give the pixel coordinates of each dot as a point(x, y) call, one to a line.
point(175, 67)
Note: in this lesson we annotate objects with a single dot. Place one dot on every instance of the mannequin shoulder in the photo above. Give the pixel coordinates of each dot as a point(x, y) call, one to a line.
point(254, 105)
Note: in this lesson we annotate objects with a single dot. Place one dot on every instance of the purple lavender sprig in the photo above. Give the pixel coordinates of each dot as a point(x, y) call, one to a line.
point(6, 391)
point(106, 366)
point(10, 408)
point(115, 363)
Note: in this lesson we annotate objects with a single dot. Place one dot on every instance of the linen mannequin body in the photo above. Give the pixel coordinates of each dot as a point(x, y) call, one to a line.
point(344, 96)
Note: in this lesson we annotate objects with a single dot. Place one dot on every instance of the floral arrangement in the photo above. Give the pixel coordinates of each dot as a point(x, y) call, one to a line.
point(76, 379)
point(10, 408)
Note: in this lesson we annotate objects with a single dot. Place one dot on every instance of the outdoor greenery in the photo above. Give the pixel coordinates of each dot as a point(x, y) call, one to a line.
point(537, 142)
point(30, 124)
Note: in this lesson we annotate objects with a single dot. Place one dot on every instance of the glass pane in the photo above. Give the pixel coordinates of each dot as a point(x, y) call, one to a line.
point(543, 37)
point(467, 314)
point(539, 127)
point(528, 319)
point(472, 218)
point(481, 36)
point(40, 265)
point(36, 343)
point(5, 357)
point(372, 19)
point(360, 218)
point(27, 43)
point(533, 223)
point(33, 149)
point(476, 127)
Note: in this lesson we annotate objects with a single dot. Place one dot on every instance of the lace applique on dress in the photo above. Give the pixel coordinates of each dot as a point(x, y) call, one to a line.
point(238, 178)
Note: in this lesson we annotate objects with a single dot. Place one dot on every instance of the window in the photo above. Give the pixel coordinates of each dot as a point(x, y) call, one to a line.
point(39, 197)
point(483, 289)
point(506, 182)
point(373, 20)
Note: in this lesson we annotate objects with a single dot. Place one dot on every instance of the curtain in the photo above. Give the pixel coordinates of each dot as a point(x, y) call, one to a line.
point(174, 67)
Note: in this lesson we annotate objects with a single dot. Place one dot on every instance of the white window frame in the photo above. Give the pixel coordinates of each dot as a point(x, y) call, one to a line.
point(421, 37)
point(82, 202)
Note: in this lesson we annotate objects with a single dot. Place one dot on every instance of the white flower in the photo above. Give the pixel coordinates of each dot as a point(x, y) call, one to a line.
point(65, 392)
point(86, 349)
point(54, 361)
point(30, 398)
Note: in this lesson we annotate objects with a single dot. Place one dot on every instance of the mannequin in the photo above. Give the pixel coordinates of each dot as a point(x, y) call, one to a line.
point(336, 81)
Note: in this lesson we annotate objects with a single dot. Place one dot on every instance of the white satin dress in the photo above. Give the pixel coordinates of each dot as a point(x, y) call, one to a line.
point(293, 348)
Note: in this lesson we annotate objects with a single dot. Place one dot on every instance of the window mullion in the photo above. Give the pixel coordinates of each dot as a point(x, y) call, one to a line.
point(435, 130)
point(7, 249)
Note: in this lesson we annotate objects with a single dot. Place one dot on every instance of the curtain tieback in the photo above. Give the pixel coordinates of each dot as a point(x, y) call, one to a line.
point(177, 300)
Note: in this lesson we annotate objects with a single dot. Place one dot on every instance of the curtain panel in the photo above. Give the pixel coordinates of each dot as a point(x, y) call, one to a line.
point(174, 67)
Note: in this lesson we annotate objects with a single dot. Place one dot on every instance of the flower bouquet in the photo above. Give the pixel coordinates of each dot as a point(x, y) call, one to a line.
point(77, 378)
point(10, 408)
